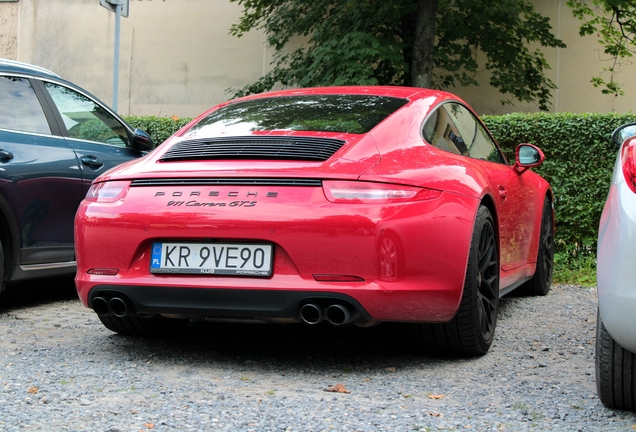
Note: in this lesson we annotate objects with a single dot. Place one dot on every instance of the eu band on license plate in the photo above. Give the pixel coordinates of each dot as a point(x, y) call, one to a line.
point(237, 259)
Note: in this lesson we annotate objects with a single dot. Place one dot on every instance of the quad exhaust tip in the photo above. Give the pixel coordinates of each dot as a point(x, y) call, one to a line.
point(100, 305)
point(312, 313)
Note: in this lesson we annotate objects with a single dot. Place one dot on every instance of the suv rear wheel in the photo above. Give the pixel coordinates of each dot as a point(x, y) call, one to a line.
point(615, 371)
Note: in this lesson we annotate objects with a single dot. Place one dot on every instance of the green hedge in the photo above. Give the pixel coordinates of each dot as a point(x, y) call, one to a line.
point(159, 128)
point(579, 154)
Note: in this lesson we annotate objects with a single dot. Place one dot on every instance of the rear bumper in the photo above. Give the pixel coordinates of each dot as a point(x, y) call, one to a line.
point(223, 303)
point(374, 302)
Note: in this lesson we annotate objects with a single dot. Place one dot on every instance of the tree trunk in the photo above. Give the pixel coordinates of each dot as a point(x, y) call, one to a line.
point(424, 44)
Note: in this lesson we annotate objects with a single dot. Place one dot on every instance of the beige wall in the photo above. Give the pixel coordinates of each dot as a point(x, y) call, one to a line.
point(177, 57)
point(572, 69)
point(8, 30)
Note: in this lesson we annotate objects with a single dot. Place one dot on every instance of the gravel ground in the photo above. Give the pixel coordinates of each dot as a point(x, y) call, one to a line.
point(60, 369)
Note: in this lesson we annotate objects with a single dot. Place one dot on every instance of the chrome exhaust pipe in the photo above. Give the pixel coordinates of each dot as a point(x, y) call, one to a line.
point(338, 315)
point(120, 307)
point(311, 313)
point(100, 305)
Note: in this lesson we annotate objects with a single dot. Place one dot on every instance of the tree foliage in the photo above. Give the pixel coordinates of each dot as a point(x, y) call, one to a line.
point(614, 21)
point(349, 42)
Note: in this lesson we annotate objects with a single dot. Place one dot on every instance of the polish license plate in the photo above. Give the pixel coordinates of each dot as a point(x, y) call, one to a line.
point(236, 259)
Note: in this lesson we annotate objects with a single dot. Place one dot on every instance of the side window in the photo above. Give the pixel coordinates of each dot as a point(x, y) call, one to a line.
point(453, 128)
point(20, 108)
point(440, 131)
point(478, 143)
point(85, 119)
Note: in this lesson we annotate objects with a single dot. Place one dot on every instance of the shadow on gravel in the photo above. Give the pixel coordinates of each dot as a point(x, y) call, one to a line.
point(36, 292)
point(290, 345)
point(284, 347)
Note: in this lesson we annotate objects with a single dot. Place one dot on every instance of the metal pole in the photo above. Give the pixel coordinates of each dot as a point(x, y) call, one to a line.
point(118, 7)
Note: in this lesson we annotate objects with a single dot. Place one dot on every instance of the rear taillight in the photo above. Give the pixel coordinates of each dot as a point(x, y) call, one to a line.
point(353, 192)
point(628, 152)
point(108, 192)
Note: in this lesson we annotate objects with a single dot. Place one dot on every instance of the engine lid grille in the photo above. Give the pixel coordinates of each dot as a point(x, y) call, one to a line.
point(254, 148)
point(228, 182)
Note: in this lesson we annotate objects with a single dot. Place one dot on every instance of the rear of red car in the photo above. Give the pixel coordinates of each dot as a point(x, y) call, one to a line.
point(256, 221)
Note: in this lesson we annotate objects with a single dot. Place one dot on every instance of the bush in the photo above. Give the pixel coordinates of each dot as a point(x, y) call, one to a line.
point(580, 157)
point(159, 128)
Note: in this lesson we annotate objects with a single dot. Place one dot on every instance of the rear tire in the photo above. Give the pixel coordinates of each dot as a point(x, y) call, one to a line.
point(2, 264)
point(141, 326)
point(471, 331)
point(615, 371)
point(541, 281)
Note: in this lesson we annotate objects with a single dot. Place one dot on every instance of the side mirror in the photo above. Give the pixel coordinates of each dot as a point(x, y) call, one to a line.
point(141, 140)
point(623, 132)
point(527, 156)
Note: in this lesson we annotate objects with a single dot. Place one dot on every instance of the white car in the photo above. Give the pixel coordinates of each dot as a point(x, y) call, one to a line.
point(616, 279)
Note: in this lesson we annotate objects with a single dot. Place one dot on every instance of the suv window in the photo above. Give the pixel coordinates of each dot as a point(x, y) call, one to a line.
point(454, 128)
point(20, 108)
point(85, 119)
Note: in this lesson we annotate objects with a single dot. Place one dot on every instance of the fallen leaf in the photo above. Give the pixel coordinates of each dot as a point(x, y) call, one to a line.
point(338, 388)
point(175, 118)
point(33, 390)
point(433, 414)
point(149, 425)
point(436, 396)
point(391, 369)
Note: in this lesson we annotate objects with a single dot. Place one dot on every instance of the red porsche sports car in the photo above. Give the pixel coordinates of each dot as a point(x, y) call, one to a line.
point(346, 205)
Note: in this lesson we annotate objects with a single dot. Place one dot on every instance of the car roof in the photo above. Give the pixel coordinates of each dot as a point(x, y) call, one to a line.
point(25, 68)
point(390, 91)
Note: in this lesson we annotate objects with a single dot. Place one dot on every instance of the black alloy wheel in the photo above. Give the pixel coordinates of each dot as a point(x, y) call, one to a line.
point(2, 284)
point(541, 281)
point(488, 281)
point(471, 331)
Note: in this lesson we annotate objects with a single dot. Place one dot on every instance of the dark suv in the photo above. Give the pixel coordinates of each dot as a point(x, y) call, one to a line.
point(55, 138)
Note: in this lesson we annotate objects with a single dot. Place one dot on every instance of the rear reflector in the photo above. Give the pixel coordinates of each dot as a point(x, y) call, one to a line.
point(103, 271)
point(337, 278)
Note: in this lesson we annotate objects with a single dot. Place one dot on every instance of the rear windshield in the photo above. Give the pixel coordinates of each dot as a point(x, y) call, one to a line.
point(355, 114)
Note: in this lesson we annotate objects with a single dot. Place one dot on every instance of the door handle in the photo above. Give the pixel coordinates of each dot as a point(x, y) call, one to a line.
point(92, 161)
point(503, 194)
point(5, 154)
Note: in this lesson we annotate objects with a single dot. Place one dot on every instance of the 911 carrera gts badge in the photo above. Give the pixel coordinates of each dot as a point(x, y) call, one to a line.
point(197, 202)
